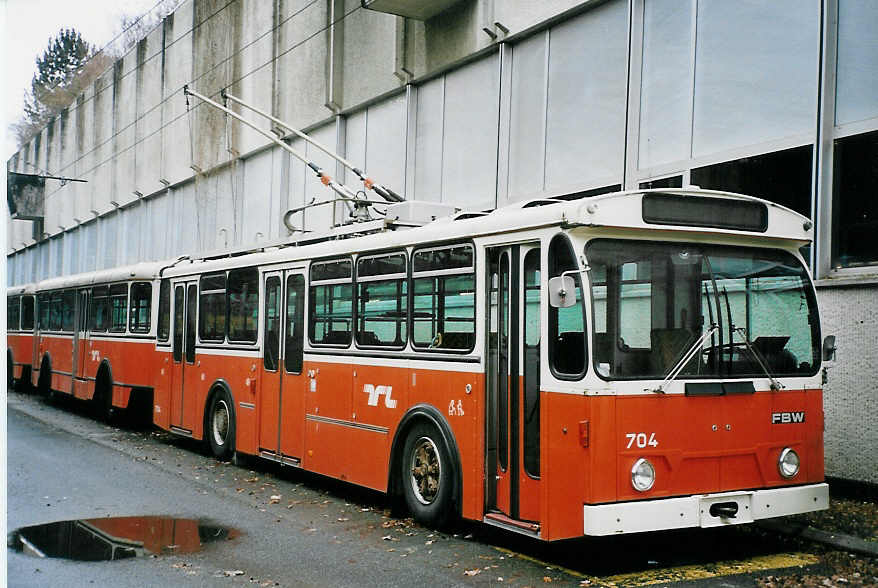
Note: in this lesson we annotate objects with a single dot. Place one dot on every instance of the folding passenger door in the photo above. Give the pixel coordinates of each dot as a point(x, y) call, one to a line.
point(185, 311)
point(513, 380)
point(282, 402)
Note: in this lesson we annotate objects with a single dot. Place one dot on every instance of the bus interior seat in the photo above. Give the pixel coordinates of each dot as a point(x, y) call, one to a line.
point(668, 347)
point(367, 338)
point(457, 340)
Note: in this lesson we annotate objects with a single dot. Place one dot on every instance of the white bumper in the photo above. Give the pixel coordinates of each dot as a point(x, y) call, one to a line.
point(695, 511)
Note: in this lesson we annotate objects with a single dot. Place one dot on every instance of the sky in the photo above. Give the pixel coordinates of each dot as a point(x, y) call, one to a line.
point(27, 25)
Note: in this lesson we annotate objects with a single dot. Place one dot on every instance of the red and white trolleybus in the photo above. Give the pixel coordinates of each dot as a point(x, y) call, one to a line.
point(629, 362)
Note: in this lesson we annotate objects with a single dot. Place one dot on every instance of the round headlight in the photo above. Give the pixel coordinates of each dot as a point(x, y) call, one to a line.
point(642, 475)
point(788, 464)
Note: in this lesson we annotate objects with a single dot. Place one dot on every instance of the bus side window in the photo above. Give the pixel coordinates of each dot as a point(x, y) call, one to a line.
point(13, 313)
point(212, 322)
point(443, 298)
point(27, 313)
point(99, 309)
point(567, 353)
point(141, 299)
point(331, 303)
point(243, 304)
point(118, 307)
point(164, 327)
point(382, 301)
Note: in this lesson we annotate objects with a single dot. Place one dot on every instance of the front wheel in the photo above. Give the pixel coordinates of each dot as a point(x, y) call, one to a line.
point(221, 426)
point(427, 476)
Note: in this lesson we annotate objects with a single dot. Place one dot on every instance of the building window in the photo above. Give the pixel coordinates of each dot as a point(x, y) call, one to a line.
point(783, 177)
point(854, 204)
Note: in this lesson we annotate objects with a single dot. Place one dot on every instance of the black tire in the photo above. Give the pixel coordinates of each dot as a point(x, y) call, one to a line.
point(220, 425)
point(24, 382)
point(102, 401)
point(44, 383)
point(427, 476)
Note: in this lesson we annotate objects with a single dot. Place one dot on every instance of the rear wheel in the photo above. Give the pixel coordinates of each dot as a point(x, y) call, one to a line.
point(221, 425)
point(102, 401)
point(44, 383)
point(427, 476)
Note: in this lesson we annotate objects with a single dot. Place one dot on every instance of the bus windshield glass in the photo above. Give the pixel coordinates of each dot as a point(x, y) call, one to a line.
point(652, 302)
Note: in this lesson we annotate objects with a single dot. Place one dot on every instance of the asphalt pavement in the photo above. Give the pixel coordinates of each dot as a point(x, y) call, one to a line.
point(298, 529)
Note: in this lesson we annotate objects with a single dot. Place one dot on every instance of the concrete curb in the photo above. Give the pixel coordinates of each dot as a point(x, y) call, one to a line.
point(837, 540)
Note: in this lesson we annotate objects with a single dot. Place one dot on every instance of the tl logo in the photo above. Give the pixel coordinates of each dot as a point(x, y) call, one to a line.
point(375, 391)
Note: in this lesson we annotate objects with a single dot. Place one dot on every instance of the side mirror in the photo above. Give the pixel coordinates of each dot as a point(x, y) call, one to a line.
point(562, 291)
point(829, 348)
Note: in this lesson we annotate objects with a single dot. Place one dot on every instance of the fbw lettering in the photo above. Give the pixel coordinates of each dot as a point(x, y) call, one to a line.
point(375, 391)
point(785, 418)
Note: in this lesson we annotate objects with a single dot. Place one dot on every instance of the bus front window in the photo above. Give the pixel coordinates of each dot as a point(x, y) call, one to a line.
point(653, 301)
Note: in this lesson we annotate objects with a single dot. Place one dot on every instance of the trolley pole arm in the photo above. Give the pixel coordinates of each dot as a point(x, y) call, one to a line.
point(382, 191)
point(325, 179)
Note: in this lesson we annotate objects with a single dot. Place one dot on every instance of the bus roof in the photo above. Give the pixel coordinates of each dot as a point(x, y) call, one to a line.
point(147, 270)
point(618, 210)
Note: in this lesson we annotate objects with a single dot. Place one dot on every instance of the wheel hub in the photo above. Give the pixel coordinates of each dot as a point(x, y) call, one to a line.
point(426, 469)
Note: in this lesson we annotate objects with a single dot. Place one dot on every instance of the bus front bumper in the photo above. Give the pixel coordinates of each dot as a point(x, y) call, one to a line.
point(703, 510)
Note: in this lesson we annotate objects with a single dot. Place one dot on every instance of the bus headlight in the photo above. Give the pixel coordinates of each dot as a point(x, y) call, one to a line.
point(788, 463)
point(642, 475)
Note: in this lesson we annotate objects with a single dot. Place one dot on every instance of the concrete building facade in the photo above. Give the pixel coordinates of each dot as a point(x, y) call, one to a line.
point(479, 103)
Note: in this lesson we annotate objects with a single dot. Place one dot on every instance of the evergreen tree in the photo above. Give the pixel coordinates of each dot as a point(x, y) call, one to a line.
point(67, 66)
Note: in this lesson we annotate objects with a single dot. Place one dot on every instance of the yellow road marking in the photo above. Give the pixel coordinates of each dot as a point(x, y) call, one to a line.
point(681, 573)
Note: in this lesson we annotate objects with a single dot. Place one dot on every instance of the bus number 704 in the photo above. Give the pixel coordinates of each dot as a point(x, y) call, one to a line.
point(640, 439)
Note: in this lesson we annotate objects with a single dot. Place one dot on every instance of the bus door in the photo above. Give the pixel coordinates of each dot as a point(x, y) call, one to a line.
point(282, 401)
point(80, 338)
point(185, 311)
point(513, 379)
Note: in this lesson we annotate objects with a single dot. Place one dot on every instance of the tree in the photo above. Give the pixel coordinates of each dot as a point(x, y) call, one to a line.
point(67, 66)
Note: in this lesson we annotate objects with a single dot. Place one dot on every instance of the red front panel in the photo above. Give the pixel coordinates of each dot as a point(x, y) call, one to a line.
point(696, 444)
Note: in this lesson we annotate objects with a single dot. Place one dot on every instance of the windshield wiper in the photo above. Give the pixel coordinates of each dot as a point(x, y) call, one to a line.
point(672, 375)
point(775, 384)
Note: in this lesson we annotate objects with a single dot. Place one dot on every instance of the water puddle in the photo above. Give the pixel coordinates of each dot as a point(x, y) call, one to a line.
point(117, 538)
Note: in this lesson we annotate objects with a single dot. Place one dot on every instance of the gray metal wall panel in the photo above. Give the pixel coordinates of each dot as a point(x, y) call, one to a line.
point(469, 149)
point(385, 145)
point(428, 141)
point(527, 135)
point(666, 86)
point(586, 100)
point(755, 72)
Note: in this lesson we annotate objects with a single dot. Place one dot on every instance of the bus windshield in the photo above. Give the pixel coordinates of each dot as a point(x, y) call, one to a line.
point(652, 302)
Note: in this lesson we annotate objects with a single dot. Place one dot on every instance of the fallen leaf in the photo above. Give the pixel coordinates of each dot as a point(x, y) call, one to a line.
point(234, 572)
point(472, 572)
